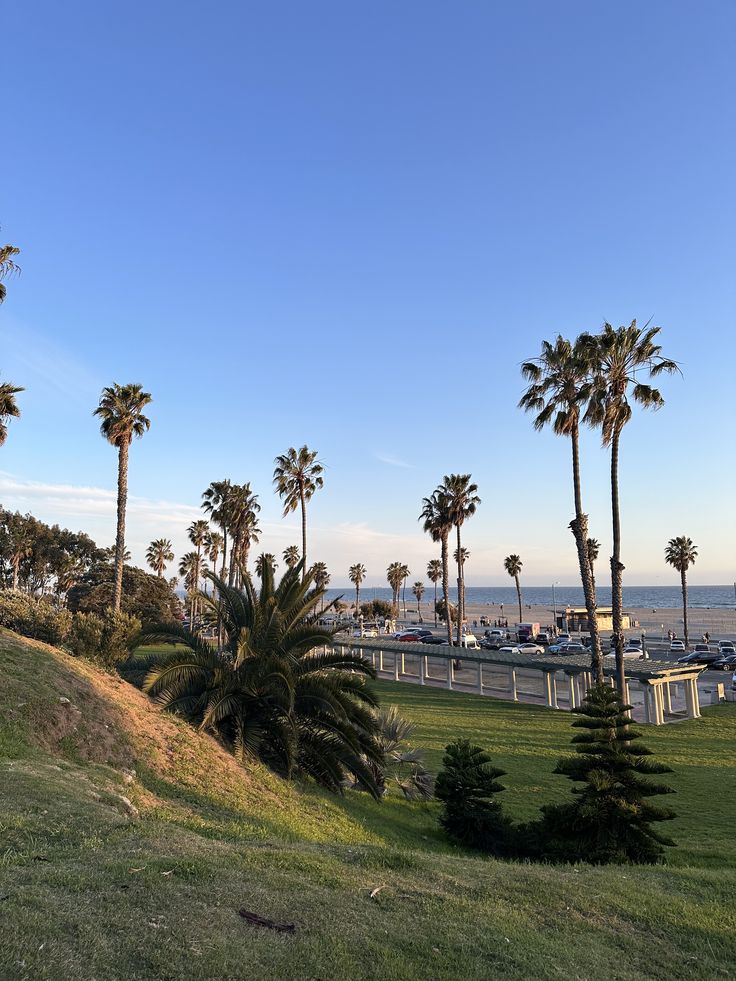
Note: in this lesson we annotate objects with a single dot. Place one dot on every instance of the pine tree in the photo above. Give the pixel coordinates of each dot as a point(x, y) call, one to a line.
point(610, 819)
point(467, 785)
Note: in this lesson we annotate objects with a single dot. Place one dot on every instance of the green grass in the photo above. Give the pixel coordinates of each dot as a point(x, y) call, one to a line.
point(87, 892)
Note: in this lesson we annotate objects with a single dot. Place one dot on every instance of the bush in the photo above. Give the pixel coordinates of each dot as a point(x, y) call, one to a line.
point(148, 598)
point(467, 785)
point(611, 818)
point(376, 608)
point(33, 618)
point(103, 639)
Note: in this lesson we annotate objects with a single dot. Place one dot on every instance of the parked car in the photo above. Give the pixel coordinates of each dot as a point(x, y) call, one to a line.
point(568, 647)
point(406, 636)
point(699, 657)
point(530, 648)
point(724, 662)
point(634, 642)
point(733, 681)
point(629, 653)
point(677, 645)
point(509, 649)
point(563, 639)
point(365, 632)
point(542, 638)
point(701, 648)
point(726, 647)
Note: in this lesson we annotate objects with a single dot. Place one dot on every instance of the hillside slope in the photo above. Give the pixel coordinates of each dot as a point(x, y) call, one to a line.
point(129, 843)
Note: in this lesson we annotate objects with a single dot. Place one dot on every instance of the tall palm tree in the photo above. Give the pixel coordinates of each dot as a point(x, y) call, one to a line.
point(593, 548)
point(321, 578)
point(513, 564)
point(291, 556)
point(463, 497)
point(213, 547)
point(356, 575)
point(271, 692)
point(198, 531)
point(434, 574)
point(681, 554)
point(395, 576)
point(418, 590)
point(266, 560)
point(437, 517)
point(189, 570)
point(8, 407)
point(242, 517)
point(8, 266)
point(215, 501)
point(121, 411)
point(297, 475)
point(405, 572)
point(159, 554)
point(618, 356)
point(560, 387)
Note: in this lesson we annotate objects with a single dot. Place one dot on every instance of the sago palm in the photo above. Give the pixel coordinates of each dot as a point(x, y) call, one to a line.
point(356, 575)
point(159, 554)
point(463, 497)
point(121, 413)
point(619, 356)
point(297, 476)
point(560, 388)
point(513, 565)
point(436, 516)
point(270, 693)
point(8, 408)
point(434, 574)
point(680, 553)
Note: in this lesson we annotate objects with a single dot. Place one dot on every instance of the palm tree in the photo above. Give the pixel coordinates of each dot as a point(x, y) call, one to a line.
point(681, 554)
point(405, 572)
point(198, 531)
point(395, 576)
point(215, 501)
point(356, 575)
point(560, 387)
point(418, 590)
point(463, 498)
point(512, 564)
point(271, 693)
point(437, 517)
point(121, 411)
point(291, 556)
point(213, 547)
point(618, 356)
point(593, 548)
point(321, 578)
point(434, 574)
point(266, 559)
point(7, 266)
point(8, 407)
point(159, 554)
point(189, 571)
point(242, 519)
point(297, 475)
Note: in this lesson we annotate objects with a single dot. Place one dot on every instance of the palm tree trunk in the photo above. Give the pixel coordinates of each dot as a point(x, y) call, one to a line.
point(435, 602)
point(518, 594)
point(683, 576)
point(579, 528)
point(304, 532)
point(357, 600)
point(617, 592)
point(446, 585)
point(16, 565)
point(403, 596)
point(460, 597)
point(117, 593)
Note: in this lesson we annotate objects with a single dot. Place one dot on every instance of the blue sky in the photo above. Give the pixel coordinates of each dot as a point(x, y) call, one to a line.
point(346, 225)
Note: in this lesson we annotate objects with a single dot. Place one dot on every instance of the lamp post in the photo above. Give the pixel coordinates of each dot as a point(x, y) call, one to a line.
point(554, 603)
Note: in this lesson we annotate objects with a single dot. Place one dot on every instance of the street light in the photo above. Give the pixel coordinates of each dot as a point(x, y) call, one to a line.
point(554, 602)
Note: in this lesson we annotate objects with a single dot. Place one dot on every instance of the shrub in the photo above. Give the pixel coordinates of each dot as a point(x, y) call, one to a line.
point(149, 598)
point(467, 785)
point(33, 618)
point(103, 639)
point(376, 608)
point(611, 818)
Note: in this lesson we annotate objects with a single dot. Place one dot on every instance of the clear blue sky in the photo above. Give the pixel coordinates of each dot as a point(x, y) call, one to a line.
point(346, 224)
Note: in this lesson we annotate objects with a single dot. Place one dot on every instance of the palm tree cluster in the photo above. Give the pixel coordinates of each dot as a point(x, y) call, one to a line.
point(397, 574)
point(593, 381)
point(269, 692)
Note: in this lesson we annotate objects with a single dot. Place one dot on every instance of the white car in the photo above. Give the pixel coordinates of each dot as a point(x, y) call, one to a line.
point(509, 650)
point(365, 632)
point(629, 652)
point(726, 647)
point(530, 648)
point(677, 645)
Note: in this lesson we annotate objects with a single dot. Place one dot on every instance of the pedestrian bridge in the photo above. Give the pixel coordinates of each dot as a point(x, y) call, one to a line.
point(659, 691)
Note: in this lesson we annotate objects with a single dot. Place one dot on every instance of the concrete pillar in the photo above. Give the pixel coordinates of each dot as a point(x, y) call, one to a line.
point(554, 690)
point(380, 660)
point(422, 669)
point(658, 705)
point(667, 698)
point(396, 665)
point(548, 689)
point(512, 684)
point(691, 698)
point(480, 677)
point(580, 687)
point(572, 690)
point(426, 666)
point(647, 703)
point(449, 673)
point(403, 664)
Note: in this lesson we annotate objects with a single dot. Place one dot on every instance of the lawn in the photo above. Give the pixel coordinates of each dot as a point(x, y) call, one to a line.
point(89, 891)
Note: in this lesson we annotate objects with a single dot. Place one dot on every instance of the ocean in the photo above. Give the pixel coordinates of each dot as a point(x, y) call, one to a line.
point(646, 597)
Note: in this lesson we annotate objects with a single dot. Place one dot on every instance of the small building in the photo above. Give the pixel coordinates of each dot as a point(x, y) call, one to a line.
point(575, 619)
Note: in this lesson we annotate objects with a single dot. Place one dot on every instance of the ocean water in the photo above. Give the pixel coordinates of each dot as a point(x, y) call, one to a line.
point(647, 597)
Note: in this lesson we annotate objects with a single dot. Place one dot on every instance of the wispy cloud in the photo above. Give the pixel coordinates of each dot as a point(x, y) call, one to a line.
point(41, 355)
point(393, 461)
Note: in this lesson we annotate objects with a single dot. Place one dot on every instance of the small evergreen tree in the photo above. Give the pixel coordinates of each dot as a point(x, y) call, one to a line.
point(611, 818)
point(467, 785)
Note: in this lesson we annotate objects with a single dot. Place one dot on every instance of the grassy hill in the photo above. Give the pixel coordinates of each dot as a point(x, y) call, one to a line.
point(129, 842)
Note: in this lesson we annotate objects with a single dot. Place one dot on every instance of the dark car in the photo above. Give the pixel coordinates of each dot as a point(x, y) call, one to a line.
point(699, 657)
point(725, 662)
